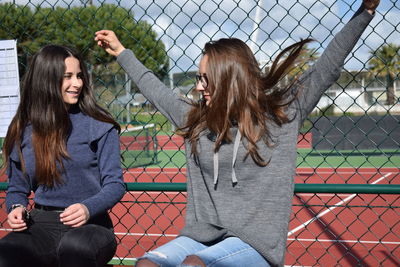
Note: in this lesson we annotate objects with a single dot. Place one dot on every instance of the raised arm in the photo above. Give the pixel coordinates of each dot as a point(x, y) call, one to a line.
point(163, 98)
point(314, 82)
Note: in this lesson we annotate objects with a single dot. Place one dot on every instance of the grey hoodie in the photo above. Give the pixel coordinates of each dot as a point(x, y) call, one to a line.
point(257, 208)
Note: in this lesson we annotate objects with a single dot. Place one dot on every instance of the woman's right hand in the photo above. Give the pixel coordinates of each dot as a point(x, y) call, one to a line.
point(107, 40)
point(16, 219)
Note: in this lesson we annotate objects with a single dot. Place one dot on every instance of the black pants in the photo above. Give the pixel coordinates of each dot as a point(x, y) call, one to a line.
point(49, 243)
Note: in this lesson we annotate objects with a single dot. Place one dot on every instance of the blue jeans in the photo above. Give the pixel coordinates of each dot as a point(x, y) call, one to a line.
point(232, 251)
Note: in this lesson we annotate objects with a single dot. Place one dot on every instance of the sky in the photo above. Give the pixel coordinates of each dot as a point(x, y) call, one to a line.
point(186, 25)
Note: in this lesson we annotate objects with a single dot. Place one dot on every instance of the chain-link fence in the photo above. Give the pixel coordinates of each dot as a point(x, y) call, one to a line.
point(352, 137)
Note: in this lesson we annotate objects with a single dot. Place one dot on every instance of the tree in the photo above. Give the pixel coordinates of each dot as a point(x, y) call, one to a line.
point(75, 27)
point(16, 23)
point(306, 58)
point(385, 62)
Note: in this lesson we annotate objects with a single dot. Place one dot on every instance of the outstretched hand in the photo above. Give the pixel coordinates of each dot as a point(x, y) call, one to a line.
point(109, 42)
point(371, 5)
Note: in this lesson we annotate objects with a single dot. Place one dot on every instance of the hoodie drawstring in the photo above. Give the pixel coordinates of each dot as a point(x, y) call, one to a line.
point(235, 150)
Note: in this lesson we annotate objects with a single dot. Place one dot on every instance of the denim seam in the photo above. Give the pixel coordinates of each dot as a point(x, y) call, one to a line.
point(228, 255)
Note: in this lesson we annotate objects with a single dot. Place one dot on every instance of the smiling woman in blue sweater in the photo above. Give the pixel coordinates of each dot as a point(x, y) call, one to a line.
point(65, 148)
point(240, 145)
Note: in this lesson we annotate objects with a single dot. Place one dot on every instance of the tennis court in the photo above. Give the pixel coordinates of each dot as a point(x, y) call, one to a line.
point(362, 107)
point(325, 229)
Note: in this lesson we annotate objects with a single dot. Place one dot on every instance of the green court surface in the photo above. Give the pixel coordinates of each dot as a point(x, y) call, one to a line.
point(164, 158)
point(347, 158)
point(306, 158)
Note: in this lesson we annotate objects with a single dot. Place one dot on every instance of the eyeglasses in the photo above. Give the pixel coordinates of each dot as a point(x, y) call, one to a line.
point(202, 77)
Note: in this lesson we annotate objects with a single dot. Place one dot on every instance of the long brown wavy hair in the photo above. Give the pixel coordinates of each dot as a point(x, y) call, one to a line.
point(43, 107)
point(241, 93)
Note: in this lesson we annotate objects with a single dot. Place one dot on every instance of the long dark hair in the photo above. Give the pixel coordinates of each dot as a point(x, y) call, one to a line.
point(43, 107)
point(241, 93)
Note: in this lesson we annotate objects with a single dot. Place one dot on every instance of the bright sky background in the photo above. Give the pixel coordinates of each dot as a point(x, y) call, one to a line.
point(185, 26)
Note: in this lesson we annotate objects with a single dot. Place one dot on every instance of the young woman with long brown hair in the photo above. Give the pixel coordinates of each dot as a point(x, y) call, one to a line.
point(240, 145)
point(65, 148)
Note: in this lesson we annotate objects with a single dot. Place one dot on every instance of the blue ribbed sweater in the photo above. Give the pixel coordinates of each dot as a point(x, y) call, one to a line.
point(93, 174)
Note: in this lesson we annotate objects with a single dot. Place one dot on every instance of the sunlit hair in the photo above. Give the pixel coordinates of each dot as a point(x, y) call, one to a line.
point(241, 93)
point(43, 107)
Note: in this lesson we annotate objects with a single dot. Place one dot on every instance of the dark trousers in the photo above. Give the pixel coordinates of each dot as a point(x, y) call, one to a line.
point(49, 243)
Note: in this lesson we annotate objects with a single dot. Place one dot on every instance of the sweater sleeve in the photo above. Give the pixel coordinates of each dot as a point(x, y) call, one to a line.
point(19, 187)
point(109, 163)
point(314, 82)
point(163, 98)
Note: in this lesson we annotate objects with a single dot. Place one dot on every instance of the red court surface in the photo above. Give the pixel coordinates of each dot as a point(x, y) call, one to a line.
point(325, 229)
point(346, 229)
point(343, 229)
point(175, 142)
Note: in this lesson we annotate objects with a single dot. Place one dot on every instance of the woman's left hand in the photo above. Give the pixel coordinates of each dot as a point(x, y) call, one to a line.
point(371, 5)
point(75, 215)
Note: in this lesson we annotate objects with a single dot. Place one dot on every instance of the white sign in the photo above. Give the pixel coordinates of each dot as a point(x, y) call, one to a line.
point(9, 83)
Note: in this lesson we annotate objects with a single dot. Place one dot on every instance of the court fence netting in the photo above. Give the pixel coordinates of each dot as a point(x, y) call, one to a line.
point(347, 198)
point(139, 145)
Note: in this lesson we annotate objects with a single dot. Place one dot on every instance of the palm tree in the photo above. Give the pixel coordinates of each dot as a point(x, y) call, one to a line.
point(385, 62)
point(306, 58)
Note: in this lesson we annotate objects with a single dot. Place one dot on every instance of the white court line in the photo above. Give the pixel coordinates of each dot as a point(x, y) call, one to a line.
point(131, 129)
point(290, 232)
point(330, 209)
point(297, 173)
point(290, 239)
point(339, 172)
point(321, 195)
point(149, 170)
point(145, 234)
point(117, 233)
point(343, 241)
point(144, 173)
point(158, 192)
point(134, 259)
